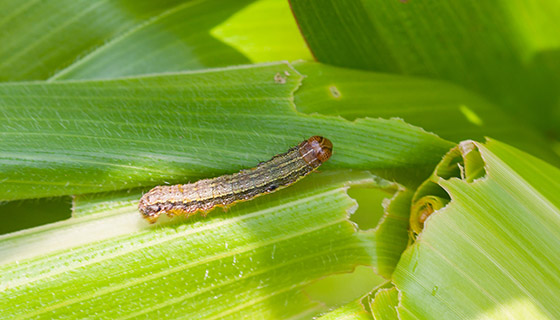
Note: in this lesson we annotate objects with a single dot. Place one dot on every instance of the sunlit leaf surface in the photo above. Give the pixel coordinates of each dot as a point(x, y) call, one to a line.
point(384, 306)
point(101, 39)
point(492, 252)
point(351, 311)
point(253, 261)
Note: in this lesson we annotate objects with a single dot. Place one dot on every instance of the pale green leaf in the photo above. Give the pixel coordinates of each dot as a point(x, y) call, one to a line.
point(492, 252)
point(253, 261)
point(339, 289)
point(391, 232)
point(351, 311)
point(97, 203)
point(384, 305)
point(264, 31)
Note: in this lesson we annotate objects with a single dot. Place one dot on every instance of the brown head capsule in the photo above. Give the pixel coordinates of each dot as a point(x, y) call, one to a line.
point(204, 195)
point(316, 150)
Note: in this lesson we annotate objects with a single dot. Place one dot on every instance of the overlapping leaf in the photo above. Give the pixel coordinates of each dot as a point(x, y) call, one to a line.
point(90, 136)
point(85, 40)
point(506, 50)
point(492, 252)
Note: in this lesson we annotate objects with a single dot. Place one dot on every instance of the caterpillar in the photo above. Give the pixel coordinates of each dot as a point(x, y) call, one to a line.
point(204, 195)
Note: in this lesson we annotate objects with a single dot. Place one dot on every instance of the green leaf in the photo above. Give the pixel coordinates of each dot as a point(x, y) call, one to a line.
point(391, 232)
point(75, 137)
point(350, 311)
point(97, 203)
point(81, 39)
point(253, 261)
point(384, 305)
point(451, 112)
point(339, 289)
point(492, 252)
point(32, 49)
point(485, 224)
point(506, 50)
point(264, 31)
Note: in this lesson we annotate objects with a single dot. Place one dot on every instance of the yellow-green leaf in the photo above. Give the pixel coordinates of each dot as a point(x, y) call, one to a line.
point(492, 252)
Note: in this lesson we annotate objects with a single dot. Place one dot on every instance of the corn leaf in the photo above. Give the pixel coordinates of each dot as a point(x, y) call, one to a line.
point(76, 137)
point(492, 252)
point(99, 102)
point(450, 111)
point(353, 310)
point(86, 40)
point(253, 261)
point(506, 50)
point(384, 306)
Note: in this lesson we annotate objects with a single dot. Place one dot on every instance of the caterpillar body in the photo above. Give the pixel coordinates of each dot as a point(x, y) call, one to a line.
point(204, 195)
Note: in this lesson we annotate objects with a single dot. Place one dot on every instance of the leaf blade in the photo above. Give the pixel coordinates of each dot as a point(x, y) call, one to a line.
point(510, 66)
point(507, 231)
point(249, 258)
point(79, 137)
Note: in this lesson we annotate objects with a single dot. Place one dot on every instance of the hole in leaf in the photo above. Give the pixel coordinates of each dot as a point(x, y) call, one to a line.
point(463, 162)
point(473, 162)
point(370, 209)
point(340, 289)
